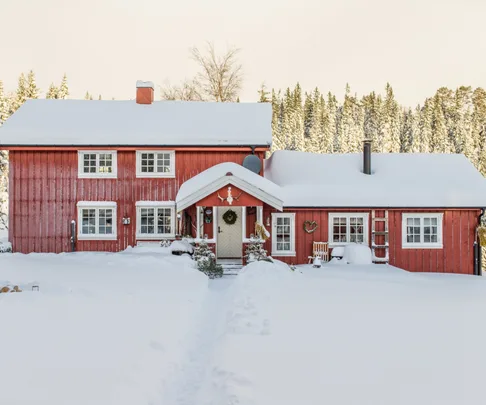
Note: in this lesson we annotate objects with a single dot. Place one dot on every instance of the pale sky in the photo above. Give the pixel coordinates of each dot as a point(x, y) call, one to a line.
point(105, 46)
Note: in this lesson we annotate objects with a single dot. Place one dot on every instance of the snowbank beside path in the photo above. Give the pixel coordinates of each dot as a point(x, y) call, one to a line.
point(103, 329)
point(369, 334)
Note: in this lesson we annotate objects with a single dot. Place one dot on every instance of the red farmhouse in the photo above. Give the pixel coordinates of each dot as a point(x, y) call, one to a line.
point(105, 175)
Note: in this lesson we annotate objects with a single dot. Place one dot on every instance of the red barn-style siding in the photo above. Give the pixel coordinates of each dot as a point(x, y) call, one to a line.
point(44, 190)
point(456, 256)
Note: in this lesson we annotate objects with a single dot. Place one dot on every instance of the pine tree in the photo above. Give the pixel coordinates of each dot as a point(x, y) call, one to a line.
point(287, 121)
point(4, 105)
point(263, 94)
point(278, 142)
point(346, 124)
point(53, 92)
point(255, 251)
point(439, 140)
point(479, 128)
point(298, 141)
point(88, 96)
point(462, 122)
point(373, 120)
point(408, 132)
point(332, 110)
point(421, 143)
point(20, 96)
point(99, 97)
point(63, 88)
point(206, 260)
point(308, 120)
point(391, 126)
point(32, 91)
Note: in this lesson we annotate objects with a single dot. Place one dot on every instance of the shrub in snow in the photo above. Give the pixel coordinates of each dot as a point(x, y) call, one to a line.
point(255, 252)
point(165, 243)
point(178, 247)
point(5, 247)
point(355, 253)
point(206, 260)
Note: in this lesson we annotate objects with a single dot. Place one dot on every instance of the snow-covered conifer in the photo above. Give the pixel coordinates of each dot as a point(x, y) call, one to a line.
point(63, 88)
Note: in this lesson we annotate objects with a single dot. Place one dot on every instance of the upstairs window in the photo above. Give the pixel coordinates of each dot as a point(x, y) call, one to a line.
point(155, 164)
point(422, 231)
point(96, 220)
point(97, 164)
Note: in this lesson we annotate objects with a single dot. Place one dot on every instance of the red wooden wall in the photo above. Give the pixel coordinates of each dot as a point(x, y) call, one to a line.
point(457, 255)
point(44, 190)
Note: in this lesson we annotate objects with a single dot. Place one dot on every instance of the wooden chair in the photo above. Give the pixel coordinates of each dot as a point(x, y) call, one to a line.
point(321, 250)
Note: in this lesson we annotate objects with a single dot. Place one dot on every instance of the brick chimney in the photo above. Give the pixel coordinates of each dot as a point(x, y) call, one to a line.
point(145, 92)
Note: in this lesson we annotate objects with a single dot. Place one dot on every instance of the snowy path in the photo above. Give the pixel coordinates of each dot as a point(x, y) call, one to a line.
point(193, 379)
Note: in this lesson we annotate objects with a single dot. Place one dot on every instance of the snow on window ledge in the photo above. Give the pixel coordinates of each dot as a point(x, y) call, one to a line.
point(151, 204)
point(96, 237)
point(282, 254)
point(423, 246)
point(339, 244)
point(96, 204)
point(154, 236)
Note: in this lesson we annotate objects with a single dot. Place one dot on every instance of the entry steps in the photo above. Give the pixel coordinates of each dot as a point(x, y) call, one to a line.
point(231, 267)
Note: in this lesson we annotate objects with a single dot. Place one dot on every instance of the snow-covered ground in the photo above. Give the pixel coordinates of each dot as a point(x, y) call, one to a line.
point(149, 329)
point(103, 329)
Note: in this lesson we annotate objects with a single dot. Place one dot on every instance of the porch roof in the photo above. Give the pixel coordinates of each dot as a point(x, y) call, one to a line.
point(218, 176)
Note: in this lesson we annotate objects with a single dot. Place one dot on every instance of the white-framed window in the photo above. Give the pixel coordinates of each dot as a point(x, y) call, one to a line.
point(97, 164)
point(283, 235)
point(155, 219)
point(96, 220)
point(156, 163)
point(348, 227)
point(422, 231)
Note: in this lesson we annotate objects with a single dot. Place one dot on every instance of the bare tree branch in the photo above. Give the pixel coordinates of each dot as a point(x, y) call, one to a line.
point(221, 77)
point(187, 91)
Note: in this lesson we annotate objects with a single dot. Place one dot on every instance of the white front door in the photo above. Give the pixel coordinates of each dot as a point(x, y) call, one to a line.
point(229, 242)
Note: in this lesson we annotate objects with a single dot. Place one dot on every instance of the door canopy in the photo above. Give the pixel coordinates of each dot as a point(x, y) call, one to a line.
point(229, 184)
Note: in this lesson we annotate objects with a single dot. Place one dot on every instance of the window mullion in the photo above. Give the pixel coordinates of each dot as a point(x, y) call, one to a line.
point(348, 229)
point(97, 221)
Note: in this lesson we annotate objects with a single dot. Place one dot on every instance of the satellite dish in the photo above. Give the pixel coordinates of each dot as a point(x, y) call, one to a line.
point(253, 163)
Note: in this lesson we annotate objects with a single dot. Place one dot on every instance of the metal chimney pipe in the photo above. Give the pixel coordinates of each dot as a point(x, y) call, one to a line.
point(367, 156)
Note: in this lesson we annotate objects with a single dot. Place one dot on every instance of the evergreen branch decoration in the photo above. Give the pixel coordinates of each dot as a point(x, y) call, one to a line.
point(230, 217)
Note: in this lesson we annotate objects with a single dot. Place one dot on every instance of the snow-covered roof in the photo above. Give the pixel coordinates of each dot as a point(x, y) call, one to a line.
point(218, 176)
point(112, 122)
point(141, 84)
point(397, 180)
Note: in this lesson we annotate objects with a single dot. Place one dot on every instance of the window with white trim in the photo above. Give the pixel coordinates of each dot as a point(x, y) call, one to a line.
point(155, 164)
point(283, 235)
point(155, 220)
point(422, 231)
point(347, 228)
point(96, 220)
point(97, 164)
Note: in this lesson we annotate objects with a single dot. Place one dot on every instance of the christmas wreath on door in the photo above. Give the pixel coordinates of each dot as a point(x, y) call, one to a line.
point(230, 217)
